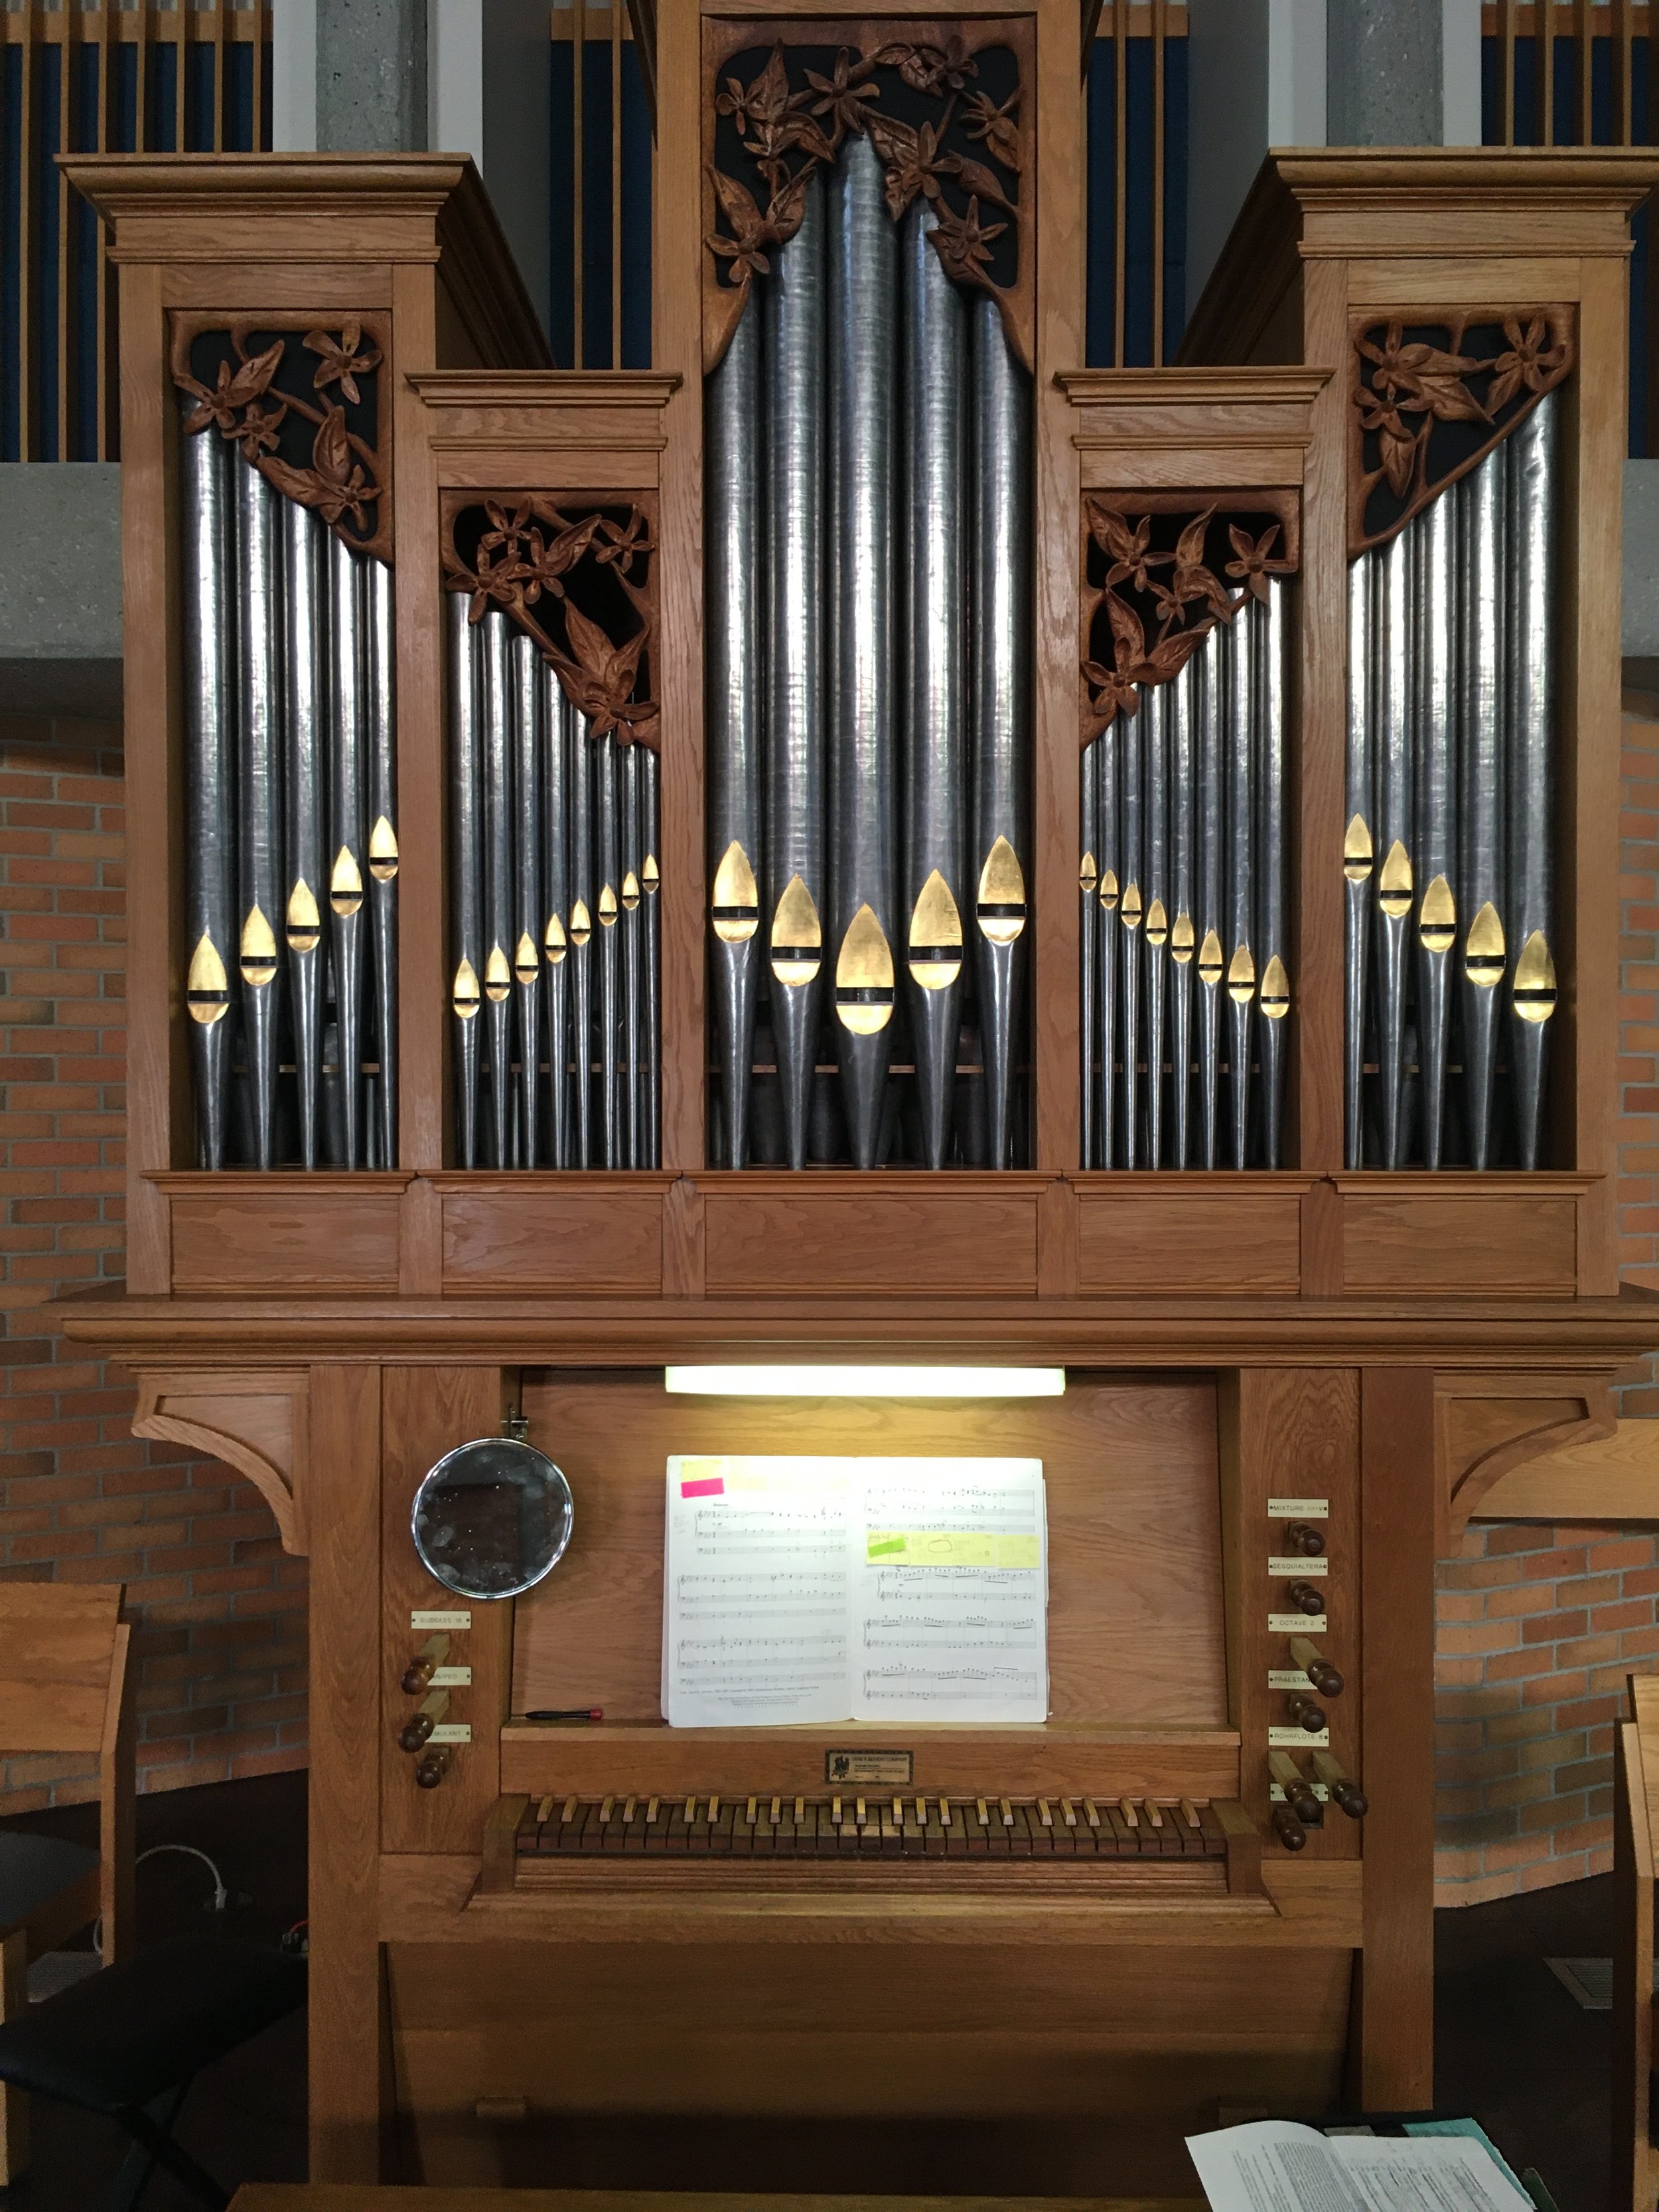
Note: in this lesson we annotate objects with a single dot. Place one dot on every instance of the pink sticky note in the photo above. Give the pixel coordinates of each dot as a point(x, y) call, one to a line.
point(714, 1487)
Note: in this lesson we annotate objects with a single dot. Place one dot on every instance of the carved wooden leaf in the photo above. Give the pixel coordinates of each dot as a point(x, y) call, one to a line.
point(330, 451)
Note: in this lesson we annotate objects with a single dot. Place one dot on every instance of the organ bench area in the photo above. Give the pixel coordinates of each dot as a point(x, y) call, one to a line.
point(867, 840)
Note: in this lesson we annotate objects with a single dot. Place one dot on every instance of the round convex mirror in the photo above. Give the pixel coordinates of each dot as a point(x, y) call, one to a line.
point(492, 1517)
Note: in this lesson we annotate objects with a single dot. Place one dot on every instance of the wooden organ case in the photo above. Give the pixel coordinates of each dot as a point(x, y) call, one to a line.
point(1165, 927)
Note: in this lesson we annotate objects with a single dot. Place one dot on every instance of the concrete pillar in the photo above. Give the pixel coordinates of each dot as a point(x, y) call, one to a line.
point(372, 93)
point(1257, 79)
point(1403, 72)
point(491, 67)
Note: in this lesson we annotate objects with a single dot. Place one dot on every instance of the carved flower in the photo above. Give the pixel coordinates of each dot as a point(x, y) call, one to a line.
point(623, 543)
point(910, 157)
point(1109, 693)
point(260, 430)
point(1529, 361)
point(963, 243)
point(995, 127)
point(973, 177)
point(1128, 551)
point(925, 68)
point(1253, 567)
point(1424, 379)
point(343, 359)
point(234, 391)
point(844, 94)
point(763, 103)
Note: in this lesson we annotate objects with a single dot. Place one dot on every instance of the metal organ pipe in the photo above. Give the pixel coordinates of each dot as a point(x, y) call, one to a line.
point(650, 882)
point(1212, 919)
point(1273, 943)
point(1184, 697)
point(579, 789)
point(1434, 857)
point(1088, 879)
point(307, 655)
point(1131, 906)
point(1108, 748)
point(210, 691)
point(1483, 550)
point(1239, 655)
point(1394, 879)
point(529, 748)
point(347, 843)
point(1533, 494)
point(607, 845)
point(630, 926)
point(1358, 853)
point(932, 362)
point(1152, 721)
point(380, 663)
point(556, 715)
point(1000, 713)
point(466, 868)
point(260, 895)
point(860, 665)
point(732, 570)
point(495, 756)
point(792, 305)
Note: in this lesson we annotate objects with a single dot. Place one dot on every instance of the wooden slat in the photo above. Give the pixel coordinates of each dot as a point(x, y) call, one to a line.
point(578, 14)
point(1160, 22)
point(1504, 25)
point(1624, 56)
point(1583, 71)
point(1544, 81)
point(1120, 169)
point(73, 22)
point(615, 183)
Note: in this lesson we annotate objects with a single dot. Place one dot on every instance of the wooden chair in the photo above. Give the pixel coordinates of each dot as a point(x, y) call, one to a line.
point(64, 1687)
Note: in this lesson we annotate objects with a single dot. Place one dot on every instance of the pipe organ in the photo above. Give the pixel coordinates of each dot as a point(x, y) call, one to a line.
point(870, 842)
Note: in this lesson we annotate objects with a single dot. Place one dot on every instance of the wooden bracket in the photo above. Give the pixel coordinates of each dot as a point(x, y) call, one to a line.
point(257, 1423)
point(1487, 1425)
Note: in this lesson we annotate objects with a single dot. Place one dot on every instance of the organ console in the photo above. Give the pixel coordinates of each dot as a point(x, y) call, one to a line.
point(869, 841)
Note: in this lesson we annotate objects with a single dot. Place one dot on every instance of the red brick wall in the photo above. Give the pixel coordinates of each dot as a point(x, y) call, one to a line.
point(219, 1612)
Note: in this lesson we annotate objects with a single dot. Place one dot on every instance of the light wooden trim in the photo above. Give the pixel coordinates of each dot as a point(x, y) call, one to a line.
point(257, 1425)
point(1634, 2163)
point(116, 1804)
point(1612, 1475)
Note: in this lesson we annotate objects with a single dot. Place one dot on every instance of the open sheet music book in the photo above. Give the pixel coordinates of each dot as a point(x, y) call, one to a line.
point(1282, 2165)
point(816, 1589)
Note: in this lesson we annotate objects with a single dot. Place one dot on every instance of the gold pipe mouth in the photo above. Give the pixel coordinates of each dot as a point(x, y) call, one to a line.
point(1240, 976)
point(1088, 876)
point(630, 891)
point(258, 950)
point(1129, 911)
point(553, 940)
point(526, 966)
point(304, 923)
point(207, 988)
point(1158, 923)
point(464, 994)
point(1394, 885)
point(498, 976)
point(1274, 998)
point(1437, 920)
point(1483, 950)
point(649, 879)
point(581, 924)
point(1357, 853)
point(608, 907)
point(1534, 993)
point(1182, 939)
point(346, 884)
point(1210, 962)
point(1109, 889)
point(382, 852)
point(797, 950)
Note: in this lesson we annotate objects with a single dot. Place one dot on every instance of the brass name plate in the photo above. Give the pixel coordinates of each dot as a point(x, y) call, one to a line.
point(854, 1768)
point(452, 1678)
point(451, 1732)
point(1288, 1568)
point(1298, 1509)
point(439, 1617)
point(1279, 1678)
point(1299, 1739)
point(1296, 1624)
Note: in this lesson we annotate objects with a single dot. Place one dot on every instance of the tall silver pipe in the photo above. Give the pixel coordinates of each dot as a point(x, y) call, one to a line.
point(1359, 854)
point(650, 884)
point(1155, 736)
point(1211, 919)
point(607, 844)
point(1529, 916)
point(933, 364)
point(630, 927)
point(465, 867)
point(306, 652)
point(860, 662)
point(793, 304)
point(529, 745)
point(1273, 943)
point(1109, 747)
point(347, 838)
point(1392, 655)
point(734, 498)
point(583, 894)
point(209, 696)
point(1434, 851)
point(1482, 516)
point(1239, 659)
point(1184, 716)
point(1001, 736)
point(556, 715)
point(379, 660)
point(261, 895)
point(1131, 908)
point(500, 901)
point(1088, 882)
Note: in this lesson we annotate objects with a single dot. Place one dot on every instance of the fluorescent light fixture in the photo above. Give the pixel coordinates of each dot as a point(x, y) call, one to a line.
point(858, 1382)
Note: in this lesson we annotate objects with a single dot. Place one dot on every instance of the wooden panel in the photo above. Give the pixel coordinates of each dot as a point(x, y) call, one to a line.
point(1026, 1762)
point(1400, 1237)
point(57, 1647)
point(1396, 2068)
point(576, 1233)
point(973, 1235)
point(347, 2017)
point(1218, 1235)
point(861, 2031)
point(273, 1234)
point(1612, 1479)
point(1134, 1602)
point(429, 1410)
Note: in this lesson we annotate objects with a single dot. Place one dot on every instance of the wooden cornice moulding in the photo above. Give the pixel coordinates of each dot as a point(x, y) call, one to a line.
point(315, 208)
point(254, 1422)
point(1488, 1426)
point(1515, 204)
point(530, 390)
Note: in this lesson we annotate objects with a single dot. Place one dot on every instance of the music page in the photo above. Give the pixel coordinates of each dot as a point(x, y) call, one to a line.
point(756, 1569)
point(802, 1590)
point(1282, 2165)
point(952, 1591)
